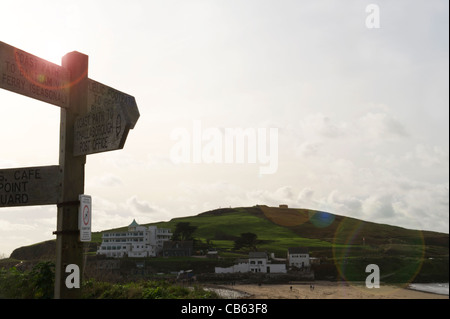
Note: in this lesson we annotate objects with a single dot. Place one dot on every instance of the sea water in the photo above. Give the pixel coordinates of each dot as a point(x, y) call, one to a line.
point(436, 288)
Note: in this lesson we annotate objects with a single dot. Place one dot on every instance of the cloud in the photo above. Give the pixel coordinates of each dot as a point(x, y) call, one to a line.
point(372, 125)
point(140, 206)
point(322, 138)
point(22, 226)
point(210, 188)
point(334, 202)
point(107, 180)
point(6, 226)
point(429, 156)
point(108, 214)
point(305, 195)
point(381, 126)
point(309, 149)
point(159, 161)
point(321, 125)
point(284, 193)
point(378, 207)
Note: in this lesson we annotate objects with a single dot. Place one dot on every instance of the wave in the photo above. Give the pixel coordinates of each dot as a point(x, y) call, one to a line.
point(435, 288)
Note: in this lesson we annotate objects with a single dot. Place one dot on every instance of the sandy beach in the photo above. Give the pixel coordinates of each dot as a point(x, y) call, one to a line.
point(331, 290)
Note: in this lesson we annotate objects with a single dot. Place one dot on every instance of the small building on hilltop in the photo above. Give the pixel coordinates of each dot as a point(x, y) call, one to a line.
point(138, 241)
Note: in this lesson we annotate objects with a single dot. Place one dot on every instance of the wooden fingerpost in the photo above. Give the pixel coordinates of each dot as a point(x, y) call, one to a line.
point(69, 250)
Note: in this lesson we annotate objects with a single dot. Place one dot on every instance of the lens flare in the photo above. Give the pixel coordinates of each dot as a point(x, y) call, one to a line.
point(285, 216)
point(398, 257)
point(29, 68)
point(41, 78)
point(321, 219)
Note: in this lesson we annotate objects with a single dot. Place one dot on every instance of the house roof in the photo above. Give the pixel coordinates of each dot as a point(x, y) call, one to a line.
point(242, 261)
point(133, 224)
point(257, 254)
point(298, 250)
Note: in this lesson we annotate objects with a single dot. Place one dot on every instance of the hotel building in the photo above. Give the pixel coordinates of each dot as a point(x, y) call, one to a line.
point(138, 241)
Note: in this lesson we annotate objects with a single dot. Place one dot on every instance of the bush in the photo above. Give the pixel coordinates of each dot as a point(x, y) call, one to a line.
point(39, 284)
point(35, 284)
point(42, 277)
point(155, 293)
point(143, 290)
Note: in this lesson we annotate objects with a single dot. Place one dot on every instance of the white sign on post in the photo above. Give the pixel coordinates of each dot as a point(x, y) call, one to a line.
point(85, 217)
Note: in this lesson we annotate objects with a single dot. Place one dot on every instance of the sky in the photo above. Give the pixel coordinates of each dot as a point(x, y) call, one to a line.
point(348, 116)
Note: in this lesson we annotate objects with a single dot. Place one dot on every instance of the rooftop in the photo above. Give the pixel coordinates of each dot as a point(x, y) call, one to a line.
point(257, 254)
point(133, 224)
point(298, 250)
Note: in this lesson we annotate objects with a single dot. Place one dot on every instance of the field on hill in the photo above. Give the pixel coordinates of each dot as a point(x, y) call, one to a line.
point(325, 234)
point(222, 228)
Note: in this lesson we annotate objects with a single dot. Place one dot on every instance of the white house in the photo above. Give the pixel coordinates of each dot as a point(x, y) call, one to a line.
point(298, 257)
point(241, 266)
point(257, 262)
point(138, 241)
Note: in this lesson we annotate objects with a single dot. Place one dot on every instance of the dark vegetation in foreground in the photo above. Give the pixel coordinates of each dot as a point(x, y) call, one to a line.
point(38, 283)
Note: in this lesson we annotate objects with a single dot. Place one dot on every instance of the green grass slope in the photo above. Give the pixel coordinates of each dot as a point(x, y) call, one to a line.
point(325, 234)
point(345, 245)
point(223, 227)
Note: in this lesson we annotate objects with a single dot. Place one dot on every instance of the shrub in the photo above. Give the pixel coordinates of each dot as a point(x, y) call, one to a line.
point(35, 284)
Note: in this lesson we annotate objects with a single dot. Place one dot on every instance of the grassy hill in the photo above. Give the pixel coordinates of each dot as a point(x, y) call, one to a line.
point(325, 234)
point(345, 245)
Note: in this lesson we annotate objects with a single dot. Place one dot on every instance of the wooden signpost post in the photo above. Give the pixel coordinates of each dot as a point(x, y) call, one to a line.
point(94, 118)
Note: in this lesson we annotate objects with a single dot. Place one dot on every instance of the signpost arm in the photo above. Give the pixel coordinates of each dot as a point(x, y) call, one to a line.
point(69, 250)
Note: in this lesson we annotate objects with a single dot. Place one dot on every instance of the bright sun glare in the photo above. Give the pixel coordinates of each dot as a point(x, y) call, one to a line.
point(52, 52)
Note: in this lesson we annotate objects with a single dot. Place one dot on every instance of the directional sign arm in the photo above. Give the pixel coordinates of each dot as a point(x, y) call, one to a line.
point(101, 130)
point(28, 186)
point(111, 114)
point(29, 75)
point(101, 96)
